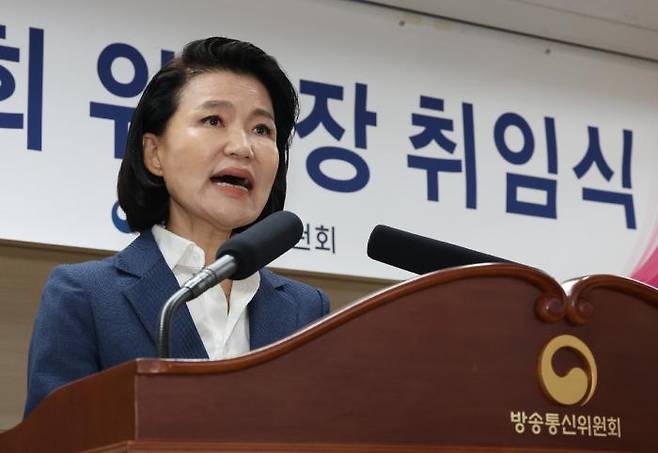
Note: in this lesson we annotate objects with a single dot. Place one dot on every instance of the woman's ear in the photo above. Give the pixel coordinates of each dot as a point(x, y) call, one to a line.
point(150, 144)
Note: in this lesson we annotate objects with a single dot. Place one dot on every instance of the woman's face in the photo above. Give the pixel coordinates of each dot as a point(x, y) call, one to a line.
point(218, 153)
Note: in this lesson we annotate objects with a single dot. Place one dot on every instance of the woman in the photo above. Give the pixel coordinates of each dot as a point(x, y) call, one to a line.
point(206, 156)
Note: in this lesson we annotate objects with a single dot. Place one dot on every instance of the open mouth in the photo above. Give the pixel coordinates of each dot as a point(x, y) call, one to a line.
point(231, 180)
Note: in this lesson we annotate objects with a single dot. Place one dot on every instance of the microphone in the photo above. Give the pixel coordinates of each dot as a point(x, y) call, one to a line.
point(238, 258)
point(420, 254)
point(262, 243)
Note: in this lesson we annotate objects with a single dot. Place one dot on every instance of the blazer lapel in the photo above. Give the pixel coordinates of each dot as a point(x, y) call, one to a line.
point(272, 312)
point(155, 283)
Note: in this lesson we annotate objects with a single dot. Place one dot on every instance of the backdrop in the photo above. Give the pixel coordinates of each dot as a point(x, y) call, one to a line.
point(539, 152)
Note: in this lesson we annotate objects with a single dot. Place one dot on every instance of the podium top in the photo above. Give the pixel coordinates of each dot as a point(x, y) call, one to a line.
point(498, 356)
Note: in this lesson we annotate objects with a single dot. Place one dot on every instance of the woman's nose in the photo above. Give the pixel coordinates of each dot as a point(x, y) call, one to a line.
point(238, 145)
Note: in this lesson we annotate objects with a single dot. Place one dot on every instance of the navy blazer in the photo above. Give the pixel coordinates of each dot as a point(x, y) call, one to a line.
point(98, 314)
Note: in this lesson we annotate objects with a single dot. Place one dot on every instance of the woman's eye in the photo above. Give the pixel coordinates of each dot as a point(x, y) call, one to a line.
point(212, 120)
point(262, 129)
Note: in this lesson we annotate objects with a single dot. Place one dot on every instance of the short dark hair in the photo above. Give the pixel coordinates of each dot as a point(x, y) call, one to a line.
point(143, 195)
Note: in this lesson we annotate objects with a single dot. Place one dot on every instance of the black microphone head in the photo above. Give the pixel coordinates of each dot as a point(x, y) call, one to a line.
point(420, 254)
point(263, 242)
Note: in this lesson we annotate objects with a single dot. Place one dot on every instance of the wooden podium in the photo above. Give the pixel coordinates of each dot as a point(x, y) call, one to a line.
point(470, 359)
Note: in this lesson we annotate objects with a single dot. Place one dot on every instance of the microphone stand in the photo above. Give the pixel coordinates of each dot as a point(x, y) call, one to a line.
point(238, 257)
point(207, 277)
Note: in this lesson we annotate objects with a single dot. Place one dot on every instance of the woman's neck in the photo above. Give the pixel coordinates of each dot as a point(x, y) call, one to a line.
point(204, 235)
point(209, 239)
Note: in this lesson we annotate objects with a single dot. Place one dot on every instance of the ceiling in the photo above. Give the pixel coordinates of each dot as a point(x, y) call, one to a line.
point(622, 26)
